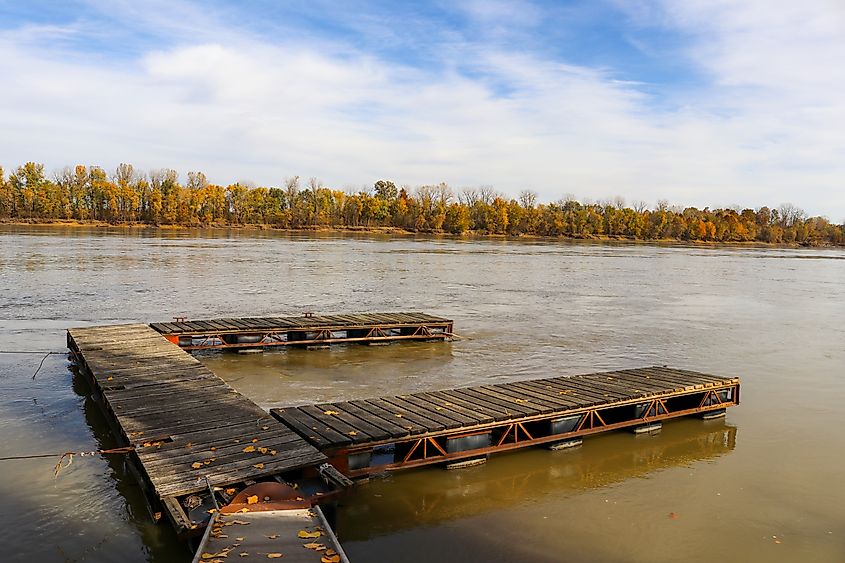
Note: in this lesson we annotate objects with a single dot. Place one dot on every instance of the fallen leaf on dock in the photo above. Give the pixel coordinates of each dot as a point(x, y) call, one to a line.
point(223, 553)
point(263, 450)
point(259, 466)
point(254, 440)
point(196, 465)
point(273, 452)
point(274, 536)
point(243, 554)
point(230, 491)
point(249, 449)
point(330, 559)
point(397, 414)
point(352, 433)
point(274, 555)
point(309, 535)
point(239, 539)
point(252, 500)
point(265, 428)
point(212, 448)
point(519, 401)
point(329, 412)
point(315, 546)
point(109, 378)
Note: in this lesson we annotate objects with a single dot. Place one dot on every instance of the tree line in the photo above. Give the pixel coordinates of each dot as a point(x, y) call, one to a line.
point(89, 193)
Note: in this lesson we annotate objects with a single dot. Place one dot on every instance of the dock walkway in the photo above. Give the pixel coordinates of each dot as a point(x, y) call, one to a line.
point(185, 422)
point(294, 536)
point(385, 433)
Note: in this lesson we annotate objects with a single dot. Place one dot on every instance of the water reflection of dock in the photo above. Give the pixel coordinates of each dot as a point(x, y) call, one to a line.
point(414, 500)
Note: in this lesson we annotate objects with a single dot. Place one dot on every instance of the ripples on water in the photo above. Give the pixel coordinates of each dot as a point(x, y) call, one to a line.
point(525, 309)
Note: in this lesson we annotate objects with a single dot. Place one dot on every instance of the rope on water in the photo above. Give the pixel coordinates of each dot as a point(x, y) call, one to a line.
point(40, 365)
point(66, 458)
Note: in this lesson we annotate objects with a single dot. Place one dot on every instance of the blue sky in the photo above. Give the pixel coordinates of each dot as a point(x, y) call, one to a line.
point(699, 102)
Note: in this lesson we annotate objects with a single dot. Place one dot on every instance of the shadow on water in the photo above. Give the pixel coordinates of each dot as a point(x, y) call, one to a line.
point(160, 539)
point(429, 497)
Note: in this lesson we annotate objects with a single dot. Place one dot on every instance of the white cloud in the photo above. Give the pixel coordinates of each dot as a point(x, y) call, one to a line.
point(239, 106)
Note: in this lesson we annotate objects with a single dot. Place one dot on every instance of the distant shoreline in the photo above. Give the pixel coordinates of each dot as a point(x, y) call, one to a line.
point(396, 231)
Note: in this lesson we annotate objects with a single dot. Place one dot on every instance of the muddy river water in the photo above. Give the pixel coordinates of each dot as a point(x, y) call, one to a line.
point(765, 484)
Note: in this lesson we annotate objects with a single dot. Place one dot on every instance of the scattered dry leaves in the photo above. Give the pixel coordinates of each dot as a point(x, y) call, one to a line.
point(249, 449)
point(252, 500)
point(329, 412)
point(275, 555)
point(196, 465)
point(306, 535)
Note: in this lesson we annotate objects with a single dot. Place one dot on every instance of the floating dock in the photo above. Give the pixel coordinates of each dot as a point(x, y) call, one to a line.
point(200, 448)
point(185, 423)
point(308, 330)
point(387, 433)
point(195, 441)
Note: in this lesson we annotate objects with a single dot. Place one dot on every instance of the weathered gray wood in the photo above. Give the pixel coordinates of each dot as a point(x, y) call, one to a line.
point(154, 391)
point(470, 407)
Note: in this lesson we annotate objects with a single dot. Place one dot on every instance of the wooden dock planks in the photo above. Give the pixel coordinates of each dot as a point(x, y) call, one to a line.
point(185, 422)
point(351, 426)
point(302, 323)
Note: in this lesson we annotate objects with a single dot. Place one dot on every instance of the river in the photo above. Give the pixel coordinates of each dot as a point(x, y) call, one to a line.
point(764, 484)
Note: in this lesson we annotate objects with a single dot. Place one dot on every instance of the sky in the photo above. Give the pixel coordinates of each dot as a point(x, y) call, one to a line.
point(719, 103)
